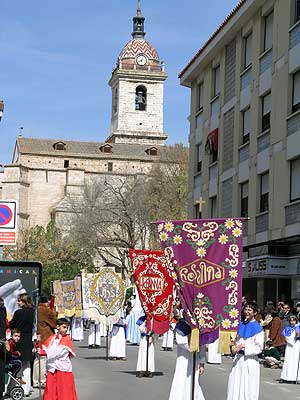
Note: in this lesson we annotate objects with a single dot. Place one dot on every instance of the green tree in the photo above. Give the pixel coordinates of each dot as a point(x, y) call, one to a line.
point(61, 258)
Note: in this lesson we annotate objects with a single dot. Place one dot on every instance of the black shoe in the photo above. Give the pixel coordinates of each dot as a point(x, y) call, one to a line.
point(139, 375)
point(97, 346)
point(281, 381)
point(91, 346)
point(149, 375)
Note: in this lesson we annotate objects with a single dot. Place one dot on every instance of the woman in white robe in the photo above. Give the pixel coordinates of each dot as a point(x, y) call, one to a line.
point(244, 378)
point(213, 357)
point(182, 381)
point(117, 350)
point(77, 329)
point(290, 369)
point(168, 340)
point(141, 366)
point(94, 340)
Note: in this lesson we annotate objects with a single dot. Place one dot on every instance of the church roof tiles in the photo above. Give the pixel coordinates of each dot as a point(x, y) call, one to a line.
point(80, 149)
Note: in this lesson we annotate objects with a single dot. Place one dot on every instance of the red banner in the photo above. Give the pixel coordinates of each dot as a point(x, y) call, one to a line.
point(155, 287)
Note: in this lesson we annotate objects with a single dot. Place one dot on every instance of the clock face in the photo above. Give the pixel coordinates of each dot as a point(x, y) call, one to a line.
point(141, 59)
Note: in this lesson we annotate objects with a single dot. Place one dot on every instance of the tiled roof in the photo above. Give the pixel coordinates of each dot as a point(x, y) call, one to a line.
point(138, 46)
point(85, 149)
point(227, 19)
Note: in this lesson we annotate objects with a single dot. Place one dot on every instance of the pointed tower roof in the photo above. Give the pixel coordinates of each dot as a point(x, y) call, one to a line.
point(138, 23)
point(138, 45)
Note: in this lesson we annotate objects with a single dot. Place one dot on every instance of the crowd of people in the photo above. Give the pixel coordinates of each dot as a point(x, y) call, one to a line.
point(268, 337)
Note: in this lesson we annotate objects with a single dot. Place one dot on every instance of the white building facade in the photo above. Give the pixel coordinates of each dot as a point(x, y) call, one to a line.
point(245, 139)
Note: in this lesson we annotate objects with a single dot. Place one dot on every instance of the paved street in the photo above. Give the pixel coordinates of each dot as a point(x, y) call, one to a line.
point(97, 378)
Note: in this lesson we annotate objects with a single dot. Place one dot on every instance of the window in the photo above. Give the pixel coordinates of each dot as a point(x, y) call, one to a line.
point(264, 192)
point(115, 101)
point(213, 207)
point(246, 125)
point(297, 11)
point(295, 179)
point(66, 163)
point(59, 146)
point(266, 112)
point(198, 158)
point(244, 199)
point(109, 167)
point(216, 81)
point(268, 32)
point(247, 51)
point(152, 151)
point(199, 96)
point(106, 148)
point(140, 98)
point(296, 92)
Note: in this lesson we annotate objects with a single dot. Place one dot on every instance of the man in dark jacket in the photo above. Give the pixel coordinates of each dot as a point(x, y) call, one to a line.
point(2, 347)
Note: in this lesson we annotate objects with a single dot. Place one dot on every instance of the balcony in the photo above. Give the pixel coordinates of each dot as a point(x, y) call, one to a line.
point(295, 35)
point(292, 213)
point(262, 222)
point(263, 141)
point(265, 61)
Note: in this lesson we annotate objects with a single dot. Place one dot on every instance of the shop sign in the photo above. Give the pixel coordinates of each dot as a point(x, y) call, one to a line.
point(268, 266)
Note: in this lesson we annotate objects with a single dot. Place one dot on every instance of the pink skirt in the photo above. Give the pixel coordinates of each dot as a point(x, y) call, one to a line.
point(60, 386)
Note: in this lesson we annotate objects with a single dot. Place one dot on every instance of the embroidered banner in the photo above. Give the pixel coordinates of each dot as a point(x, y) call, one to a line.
point(68, 297)
point(103, 296)
point(206, 258)
point(155, 287)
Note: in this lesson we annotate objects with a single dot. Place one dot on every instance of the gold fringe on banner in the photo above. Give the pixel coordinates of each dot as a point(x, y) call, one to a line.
point(194, 342)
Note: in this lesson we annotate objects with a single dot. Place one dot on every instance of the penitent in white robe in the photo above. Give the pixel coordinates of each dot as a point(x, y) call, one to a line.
point(142, 355)
point(94, 335)
point(182, 381)
point(77, 329)
point(118, 342)
point(213, 357)
point(244, 378)
point(291, 359)
point(168, 339)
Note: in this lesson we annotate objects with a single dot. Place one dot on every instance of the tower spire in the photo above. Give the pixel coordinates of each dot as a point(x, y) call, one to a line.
point(138, 23)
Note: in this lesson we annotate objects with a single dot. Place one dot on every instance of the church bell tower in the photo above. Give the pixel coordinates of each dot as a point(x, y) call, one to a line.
point(137, 85)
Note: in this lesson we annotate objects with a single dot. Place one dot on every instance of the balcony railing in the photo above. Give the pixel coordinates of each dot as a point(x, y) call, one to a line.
point(262, 222)
point(292, 213)
point(263, 142)
point(244, 153)
point(265, 61)
point(135, 67)
point(246, 78)
point(293, 124)
point(295, 35)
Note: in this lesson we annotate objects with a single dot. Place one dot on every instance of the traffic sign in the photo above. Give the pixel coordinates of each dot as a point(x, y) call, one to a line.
point(8, 219)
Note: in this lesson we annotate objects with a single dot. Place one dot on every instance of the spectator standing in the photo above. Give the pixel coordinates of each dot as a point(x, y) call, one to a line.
point(2, 346)
point(286, 314)
point(45, 328)
point(278, 340)
point(23, 320)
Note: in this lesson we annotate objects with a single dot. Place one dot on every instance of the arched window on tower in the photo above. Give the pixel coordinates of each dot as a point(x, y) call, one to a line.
point(140, 98)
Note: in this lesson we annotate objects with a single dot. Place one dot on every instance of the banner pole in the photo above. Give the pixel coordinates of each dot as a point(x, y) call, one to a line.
point(95, 335)
point(193, 376)
point(147, 355)
point(296, 381)
point(107, 331)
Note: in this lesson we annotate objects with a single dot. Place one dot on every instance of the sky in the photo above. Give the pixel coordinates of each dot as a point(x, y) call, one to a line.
point(56, 58)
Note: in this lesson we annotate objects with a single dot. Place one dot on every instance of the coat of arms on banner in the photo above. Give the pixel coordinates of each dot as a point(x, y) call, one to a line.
point(155, 287)
point(103, 293)
point(68, 297)
point(206, 259)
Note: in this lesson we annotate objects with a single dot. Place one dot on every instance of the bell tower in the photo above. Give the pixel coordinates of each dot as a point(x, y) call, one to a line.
point(137, 85)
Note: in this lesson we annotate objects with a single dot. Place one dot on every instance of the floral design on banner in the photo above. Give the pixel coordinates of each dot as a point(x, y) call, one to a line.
point(155, 287)
point(206, 261)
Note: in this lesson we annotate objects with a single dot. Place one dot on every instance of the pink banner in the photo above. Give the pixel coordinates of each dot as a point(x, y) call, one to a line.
point(206, 258)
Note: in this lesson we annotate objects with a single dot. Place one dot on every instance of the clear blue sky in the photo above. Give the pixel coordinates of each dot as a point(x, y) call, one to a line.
point(57, 57)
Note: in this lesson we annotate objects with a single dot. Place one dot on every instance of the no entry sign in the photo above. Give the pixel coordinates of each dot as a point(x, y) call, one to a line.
point(8, 216)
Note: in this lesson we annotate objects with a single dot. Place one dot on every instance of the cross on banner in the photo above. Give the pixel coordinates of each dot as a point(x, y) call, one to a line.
point(201, 202)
